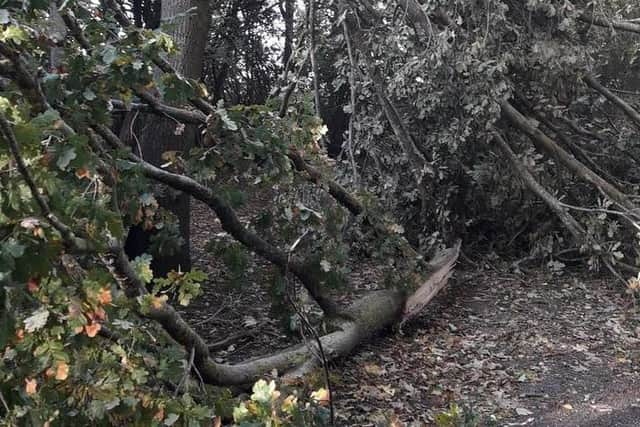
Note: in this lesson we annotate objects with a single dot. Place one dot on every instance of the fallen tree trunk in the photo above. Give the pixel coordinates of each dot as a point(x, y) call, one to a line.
point(368, 316)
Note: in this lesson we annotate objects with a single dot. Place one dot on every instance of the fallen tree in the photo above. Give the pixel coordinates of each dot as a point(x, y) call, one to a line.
point(112, 168)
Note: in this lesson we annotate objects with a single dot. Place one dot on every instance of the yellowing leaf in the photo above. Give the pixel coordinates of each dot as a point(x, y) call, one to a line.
point(83, 173)
point(159, 416)
point(31, 386)
point(49, 373)
point(104, 296)
point(263, 392)
point(62, 371)
point(289, 404)
point(321, 396)
point(158, 302)
point(92, 329)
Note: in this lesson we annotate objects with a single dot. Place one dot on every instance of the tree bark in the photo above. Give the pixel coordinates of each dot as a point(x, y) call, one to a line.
point(287, 12)
point(312, 55)
point(618, 25)
point(631, 112)
point(532, 184)
point(187, 22)
point(546, 144)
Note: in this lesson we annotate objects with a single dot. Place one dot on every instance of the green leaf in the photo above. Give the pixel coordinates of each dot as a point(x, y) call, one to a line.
point(14, 248)
point(14, 34)
point(175, 89)
point(4, 16)
point(89, 95)
point(109, 54)
point(142, 267)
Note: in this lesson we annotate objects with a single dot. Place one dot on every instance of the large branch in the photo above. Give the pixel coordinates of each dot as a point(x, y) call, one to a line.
point(231, 223)
point(610, 23)
point(370, 315)
point(530, 182)
point(631, 112)
point(573, 226)
point(546, 144)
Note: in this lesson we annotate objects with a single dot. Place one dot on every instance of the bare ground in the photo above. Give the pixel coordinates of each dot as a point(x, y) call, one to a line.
point(535, 349)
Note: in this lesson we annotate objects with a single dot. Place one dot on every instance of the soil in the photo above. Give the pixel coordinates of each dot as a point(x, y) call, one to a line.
point(534, 349)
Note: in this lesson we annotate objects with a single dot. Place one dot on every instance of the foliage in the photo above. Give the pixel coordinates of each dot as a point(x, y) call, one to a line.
point(267, 406)
point(539, 50)
point(77, 348)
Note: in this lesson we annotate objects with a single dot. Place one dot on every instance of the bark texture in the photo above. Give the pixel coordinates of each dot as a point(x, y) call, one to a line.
point(546, 144)
point(187, 21)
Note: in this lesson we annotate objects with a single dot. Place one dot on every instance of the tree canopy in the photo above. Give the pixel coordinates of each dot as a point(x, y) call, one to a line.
point(387, 132)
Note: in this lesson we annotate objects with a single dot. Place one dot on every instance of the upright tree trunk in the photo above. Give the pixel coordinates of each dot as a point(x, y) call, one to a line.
point(187, 21)
point(287, 12)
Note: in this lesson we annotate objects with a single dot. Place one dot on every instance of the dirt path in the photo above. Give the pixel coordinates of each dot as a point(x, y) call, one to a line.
point(545, 351)
point(534, 350)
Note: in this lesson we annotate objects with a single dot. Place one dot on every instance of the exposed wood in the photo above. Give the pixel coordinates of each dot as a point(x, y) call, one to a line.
point(443, 263)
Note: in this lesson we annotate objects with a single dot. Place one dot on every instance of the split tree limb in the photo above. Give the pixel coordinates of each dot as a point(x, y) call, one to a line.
point(364, 318)
point(443, 263)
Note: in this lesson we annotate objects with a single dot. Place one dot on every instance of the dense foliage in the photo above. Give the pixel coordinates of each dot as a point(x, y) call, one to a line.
point(90, 337)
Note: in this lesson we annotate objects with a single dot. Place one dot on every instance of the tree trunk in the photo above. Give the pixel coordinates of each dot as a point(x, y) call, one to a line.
point(187, 21)
point(287, 12)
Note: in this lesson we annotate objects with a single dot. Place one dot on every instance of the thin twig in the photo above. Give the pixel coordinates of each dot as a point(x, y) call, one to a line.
point(309, 327)
point(352, 99)
point(65, 231)
point(4, 402)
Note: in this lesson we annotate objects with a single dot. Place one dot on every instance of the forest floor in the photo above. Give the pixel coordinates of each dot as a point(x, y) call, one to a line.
point(531, 349)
